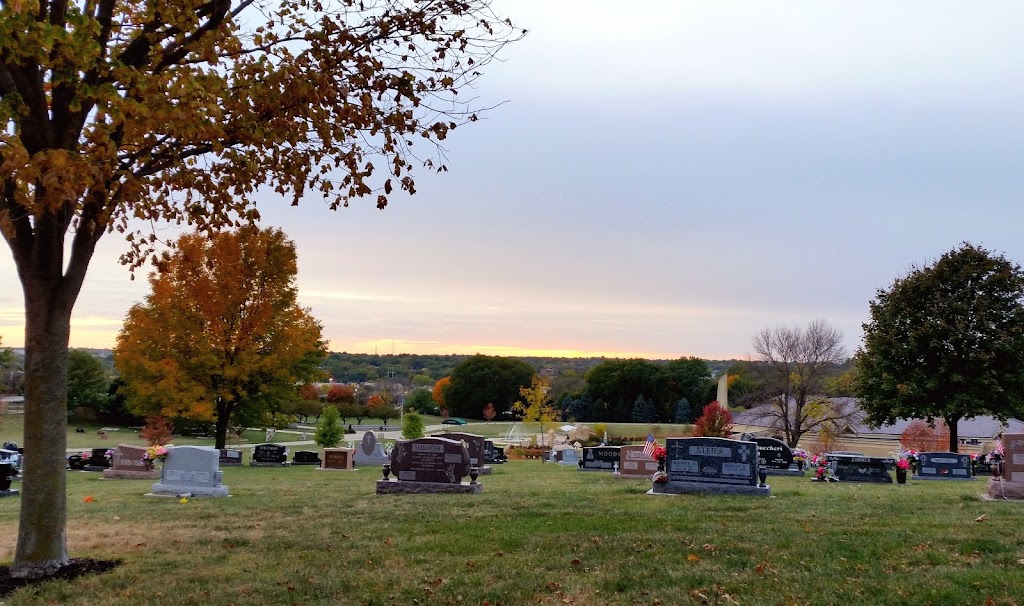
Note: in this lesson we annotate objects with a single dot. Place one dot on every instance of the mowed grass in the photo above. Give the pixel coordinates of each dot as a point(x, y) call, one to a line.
point(539, 534)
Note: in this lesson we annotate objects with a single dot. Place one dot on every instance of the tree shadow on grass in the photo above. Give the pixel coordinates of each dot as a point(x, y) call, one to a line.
point(76, 568)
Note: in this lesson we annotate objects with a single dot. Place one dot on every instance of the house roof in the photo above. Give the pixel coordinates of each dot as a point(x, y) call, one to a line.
point(981, 427)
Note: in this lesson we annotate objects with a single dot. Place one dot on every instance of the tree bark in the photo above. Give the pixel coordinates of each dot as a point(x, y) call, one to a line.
point(42, 543)
point(954, 434)
point(223, 416)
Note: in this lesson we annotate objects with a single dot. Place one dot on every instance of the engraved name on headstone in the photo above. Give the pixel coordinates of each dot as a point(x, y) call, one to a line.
point(430, 460)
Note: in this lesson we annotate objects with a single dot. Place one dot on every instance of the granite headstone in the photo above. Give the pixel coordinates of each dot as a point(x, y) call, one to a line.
point(600, 458)
point(476, 446)
point(710, 465)
point(269, 455)
point(230, 457)
point(128, 463)
point(306, 457)
point(853, 468)
point(370, 452)
point(634, 463)
point(944, 466)
point(338, 459)
point(191, 470)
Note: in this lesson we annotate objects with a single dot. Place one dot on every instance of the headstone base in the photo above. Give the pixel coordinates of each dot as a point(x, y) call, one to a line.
point(942, 478)
point(486, 470)
point(702, 488)
point(786, 472)
point(409, 487)
point(302, 463)
point(9, 493)
point(258, 464)
point(626, 476)
point(999, 490)
point(94, 468)
point(337, 468)
point(172, 490)
point(124, 474)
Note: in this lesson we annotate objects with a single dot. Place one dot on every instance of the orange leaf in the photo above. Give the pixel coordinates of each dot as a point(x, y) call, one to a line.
point(693, 557)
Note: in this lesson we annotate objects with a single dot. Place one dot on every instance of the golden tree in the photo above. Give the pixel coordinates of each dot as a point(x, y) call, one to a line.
point(221, 337)
point(535, 407)
point(125, 113)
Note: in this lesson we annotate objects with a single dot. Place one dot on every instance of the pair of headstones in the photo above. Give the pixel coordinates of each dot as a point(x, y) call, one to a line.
point(429, 465)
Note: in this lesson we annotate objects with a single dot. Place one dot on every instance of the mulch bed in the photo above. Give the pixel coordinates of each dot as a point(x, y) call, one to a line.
point(76, 568)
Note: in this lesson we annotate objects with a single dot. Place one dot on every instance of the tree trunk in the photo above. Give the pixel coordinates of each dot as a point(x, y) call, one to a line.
point(42, 544)
point(954, 435)
point(223, 416)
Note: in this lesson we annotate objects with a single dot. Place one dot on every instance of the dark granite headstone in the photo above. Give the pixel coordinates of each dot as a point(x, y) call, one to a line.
point(76, 461)
point(944, 466)
point(306, 457)
point(711, 460)
point(7, 473)
point(230, 457)
point(600, 458)
point(850, 468)
point(489, 452)
point(269, 454)
point(499, 454)
point(97, 460)
point(773, 454)
point(430, 460)
point(474, 442)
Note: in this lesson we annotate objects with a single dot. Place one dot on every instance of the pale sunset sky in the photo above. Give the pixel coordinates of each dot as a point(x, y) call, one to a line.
point(666, 179)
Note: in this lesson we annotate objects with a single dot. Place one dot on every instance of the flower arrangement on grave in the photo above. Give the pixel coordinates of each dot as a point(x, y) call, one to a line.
point(822, 473)
point(903, 464)
point(660, 477)
point(799, 456)
point(659, 454)
point(155, 452)
point(109, 454)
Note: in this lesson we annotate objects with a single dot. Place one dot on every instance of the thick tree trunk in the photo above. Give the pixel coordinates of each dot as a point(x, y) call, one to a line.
point(42, 545)
point(954, 435)
point(223, 416)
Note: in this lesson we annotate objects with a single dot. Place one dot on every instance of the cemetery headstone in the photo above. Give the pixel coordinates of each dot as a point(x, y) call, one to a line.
point(776, 457)
point(853, 468)
point(97, 460)
point(600, 458)
point(12, 457)
point(128, 463)
point(370, 452)
point(338, 459)
point(943, 466)
point(429, 465)
point(476, 446)
point(710, 465)
point(633, 463)
point(7, 473)
point(191, 470)
point(499, 454)
point(1010, 484)
point(76, 462)
point(306, 457)
point(569, 456)
point(230, 457)
point(269, 455)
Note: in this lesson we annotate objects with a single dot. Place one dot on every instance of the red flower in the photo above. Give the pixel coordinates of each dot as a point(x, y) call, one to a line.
point(659, 454)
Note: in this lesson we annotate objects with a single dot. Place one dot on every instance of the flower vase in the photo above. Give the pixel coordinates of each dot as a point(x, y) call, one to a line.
point(901, 476)
point(147, 465)
point(661, 465)
point(800, 465)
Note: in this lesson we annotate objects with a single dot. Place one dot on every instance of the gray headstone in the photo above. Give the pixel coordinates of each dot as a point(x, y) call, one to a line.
point(569, 456)
point(370, 452)
point(191, 469)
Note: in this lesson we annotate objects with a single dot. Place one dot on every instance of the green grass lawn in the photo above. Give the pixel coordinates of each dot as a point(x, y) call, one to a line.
point(539, 534)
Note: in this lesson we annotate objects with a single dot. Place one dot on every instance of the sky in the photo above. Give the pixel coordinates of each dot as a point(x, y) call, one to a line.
point(666, 179)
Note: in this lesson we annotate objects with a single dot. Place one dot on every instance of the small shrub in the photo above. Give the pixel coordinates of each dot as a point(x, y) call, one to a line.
point(412, 428)
point(328, 430)
point(157, 431)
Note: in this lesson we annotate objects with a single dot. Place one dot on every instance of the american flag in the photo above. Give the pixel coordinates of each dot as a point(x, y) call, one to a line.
point(650, 445)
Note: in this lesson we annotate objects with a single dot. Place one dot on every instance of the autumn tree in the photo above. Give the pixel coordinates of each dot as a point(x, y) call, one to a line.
point(793, 364)
point(714, 422)
point(119, 115)
point(341, 394)
point(534, 405)
point(220, 337)
point(489, 412)
point(439, 390)
point(923, 437)
point(946, 341)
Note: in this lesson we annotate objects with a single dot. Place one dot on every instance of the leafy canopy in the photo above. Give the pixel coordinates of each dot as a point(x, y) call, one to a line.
point(221, 334)
point(946, 341)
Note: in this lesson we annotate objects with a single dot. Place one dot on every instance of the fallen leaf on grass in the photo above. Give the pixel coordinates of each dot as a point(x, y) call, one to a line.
point(553, 586)
point(981, 518)
point(709, 547)
point(693, 558)
point(470, 565)
point(575, 562)
point(387, 541)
